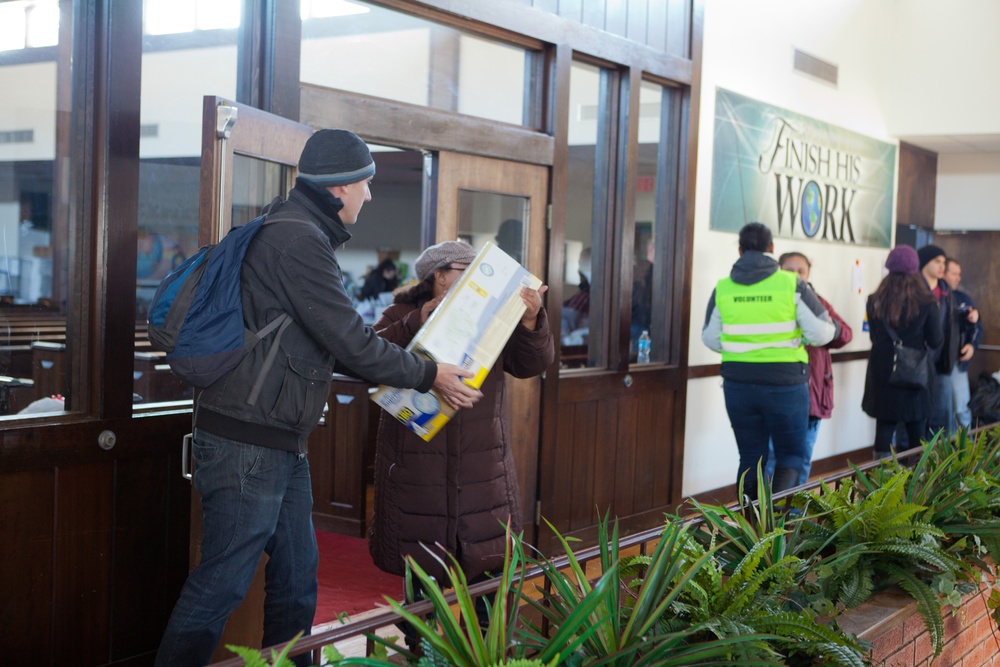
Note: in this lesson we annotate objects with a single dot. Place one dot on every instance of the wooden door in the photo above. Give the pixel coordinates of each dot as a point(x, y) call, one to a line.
point(248, 157)
point(505, 202)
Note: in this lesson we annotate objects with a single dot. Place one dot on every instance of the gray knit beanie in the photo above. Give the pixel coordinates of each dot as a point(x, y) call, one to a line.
point(441, 255)
point(335, 157)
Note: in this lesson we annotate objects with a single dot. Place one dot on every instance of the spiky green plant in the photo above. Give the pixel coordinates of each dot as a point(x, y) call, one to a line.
point(458, 640)
point(628, 626)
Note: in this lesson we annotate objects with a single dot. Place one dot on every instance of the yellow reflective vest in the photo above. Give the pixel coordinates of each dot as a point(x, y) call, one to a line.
point(758, 321)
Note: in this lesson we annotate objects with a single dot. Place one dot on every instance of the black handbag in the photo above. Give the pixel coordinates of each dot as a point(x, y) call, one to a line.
point(910, 366)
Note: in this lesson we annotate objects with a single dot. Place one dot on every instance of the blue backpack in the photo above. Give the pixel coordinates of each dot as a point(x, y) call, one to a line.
point(196, 315)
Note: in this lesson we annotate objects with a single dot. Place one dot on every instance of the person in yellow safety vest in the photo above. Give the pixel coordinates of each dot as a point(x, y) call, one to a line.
point(760, 318)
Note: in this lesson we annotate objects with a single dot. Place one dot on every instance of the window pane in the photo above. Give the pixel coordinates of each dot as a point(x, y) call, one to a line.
point(648, 225)
point(489, 216)
point(255, 183)
point(586, 219)
point(364, 48)
point(170, 171)
point(389, 227)
point(36, 347)
point(656, 196)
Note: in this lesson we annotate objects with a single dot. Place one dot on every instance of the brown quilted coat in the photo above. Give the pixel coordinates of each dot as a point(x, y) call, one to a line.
point(458, 490)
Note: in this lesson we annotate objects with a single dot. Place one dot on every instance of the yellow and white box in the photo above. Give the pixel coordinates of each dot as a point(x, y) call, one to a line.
point(469, 329)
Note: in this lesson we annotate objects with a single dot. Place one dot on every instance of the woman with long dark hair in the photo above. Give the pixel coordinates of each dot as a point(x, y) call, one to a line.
point(904, 303)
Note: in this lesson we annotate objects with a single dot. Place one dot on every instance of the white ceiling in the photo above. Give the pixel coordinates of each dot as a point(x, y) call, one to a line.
point(956, 143)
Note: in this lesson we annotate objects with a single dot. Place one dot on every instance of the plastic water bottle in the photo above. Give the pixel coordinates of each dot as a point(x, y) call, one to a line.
point(643, 348)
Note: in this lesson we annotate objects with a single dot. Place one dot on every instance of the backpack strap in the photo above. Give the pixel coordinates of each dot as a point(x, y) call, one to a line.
point(280, 323)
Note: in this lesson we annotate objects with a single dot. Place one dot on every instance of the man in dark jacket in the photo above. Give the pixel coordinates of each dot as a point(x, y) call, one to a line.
point(759, 318)
point(946, 357)
point(250, 451)
point(972, 332)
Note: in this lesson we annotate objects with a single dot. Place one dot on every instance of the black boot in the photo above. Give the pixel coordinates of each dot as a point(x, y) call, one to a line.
point(784, 478)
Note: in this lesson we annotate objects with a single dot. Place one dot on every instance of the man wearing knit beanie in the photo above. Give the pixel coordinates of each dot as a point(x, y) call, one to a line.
point(932, 266)
point(252, 426)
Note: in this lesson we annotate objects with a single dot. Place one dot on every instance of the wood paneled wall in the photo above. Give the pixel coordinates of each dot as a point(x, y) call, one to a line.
point(614, 454)
point(94, 544)
point(661, 24)
point(917, 186)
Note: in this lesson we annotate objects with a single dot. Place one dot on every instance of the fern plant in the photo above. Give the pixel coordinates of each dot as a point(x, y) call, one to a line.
point(255, 658)
point(757, 584)
point(630, 627)
point(861, 540)
point(957, 480)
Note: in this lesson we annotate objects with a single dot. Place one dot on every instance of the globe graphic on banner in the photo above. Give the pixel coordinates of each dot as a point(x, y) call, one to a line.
point(812, 208)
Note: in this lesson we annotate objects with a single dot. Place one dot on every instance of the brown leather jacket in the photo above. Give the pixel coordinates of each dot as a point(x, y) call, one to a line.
point(458, 490)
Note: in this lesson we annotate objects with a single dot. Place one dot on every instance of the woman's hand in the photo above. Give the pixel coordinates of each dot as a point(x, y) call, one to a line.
point(428, 308)
point(532, 304)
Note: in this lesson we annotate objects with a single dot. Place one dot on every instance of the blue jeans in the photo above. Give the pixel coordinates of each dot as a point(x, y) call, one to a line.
point(254, 500)
point(760, 413)
point(942, 410)
point(812, 430)
point(960, 395)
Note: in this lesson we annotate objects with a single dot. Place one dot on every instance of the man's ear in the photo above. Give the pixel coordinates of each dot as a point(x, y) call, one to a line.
point(337, 191)
point(770, 248)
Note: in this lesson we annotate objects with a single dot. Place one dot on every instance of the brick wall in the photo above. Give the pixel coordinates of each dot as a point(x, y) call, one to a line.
point(901, 640)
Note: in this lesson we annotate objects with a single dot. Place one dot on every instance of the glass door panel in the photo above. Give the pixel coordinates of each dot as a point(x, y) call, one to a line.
point(491, 216)
point(255, 183)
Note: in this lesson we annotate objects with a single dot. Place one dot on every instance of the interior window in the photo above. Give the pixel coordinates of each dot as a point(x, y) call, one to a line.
point(587, 218)
point(178, 37)
point(653, 218)
point(386, 240)
point(37, 342)
point(409, 59)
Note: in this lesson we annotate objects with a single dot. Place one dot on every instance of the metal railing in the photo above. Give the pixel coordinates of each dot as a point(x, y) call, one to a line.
point(351, 630)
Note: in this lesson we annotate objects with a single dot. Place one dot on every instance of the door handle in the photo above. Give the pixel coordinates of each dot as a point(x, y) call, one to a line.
point(186, 471)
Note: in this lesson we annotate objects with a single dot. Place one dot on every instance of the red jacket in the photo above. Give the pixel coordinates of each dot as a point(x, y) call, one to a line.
point(821, 367)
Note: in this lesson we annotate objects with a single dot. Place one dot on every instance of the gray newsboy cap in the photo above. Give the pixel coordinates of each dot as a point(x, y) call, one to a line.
point(443, 254)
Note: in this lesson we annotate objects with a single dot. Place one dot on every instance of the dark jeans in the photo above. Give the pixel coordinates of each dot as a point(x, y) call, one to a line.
point(942, 407)
point(884, 430)
point(254, 500)
point(762, 413)
point(812, 430)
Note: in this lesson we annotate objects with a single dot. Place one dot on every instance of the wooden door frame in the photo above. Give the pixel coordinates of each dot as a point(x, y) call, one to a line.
point(460, 171)
point(253, 134)
point(484, 174)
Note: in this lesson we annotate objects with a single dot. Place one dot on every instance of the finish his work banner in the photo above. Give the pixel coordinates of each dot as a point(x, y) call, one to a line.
point(802, 178)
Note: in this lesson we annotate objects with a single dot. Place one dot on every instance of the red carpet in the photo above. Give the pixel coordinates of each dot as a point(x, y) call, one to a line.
point(348, 580)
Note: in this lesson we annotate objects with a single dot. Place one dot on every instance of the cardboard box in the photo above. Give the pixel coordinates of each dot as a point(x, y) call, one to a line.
point(469, 329)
